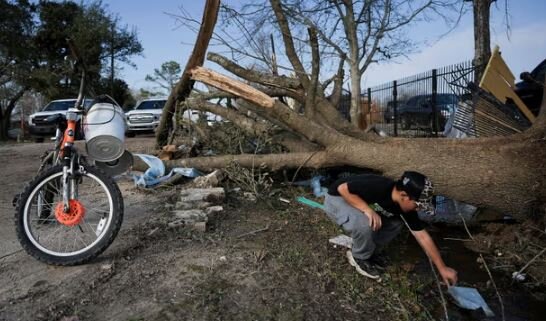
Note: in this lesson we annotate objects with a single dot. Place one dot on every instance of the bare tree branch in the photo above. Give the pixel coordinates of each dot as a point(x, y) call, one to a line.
point(289, 44)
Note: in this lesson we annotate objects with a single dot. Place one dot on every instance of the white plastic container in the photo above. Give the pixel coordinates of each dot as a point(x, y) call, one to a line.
point(104, 129)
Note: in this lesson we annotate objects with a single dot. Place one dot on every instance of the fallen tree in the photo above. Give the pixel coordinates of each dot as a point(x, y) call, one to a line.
point(507, 174)
point(504, 173)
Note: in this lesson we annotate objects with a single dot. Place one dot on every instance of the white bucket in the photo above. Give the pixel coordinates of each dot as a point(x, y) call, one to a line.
point(104, 129)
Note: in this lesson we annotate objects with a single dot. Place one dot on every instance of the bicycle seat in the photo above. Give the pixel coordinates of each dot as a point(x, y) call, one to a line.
point(55, 119)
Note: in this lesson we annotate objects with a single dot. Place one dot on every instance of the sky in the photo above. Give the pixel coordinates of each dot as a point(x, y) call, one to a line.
point(163, 39)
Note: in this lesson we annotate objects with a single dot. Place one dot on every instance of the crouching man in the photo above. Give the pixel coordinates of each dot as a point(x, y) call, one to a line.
point(373, 209)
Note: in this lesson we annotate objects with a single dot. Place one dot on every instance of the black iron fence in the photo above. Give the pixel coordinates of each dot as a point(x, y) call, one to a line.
point(419, 105)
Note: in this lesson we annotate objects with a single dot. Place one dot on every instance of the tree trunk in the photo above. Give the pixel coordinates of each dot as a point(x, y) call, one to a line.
point(482, 42)
point(184, 87)
point(356, 110)
point(5, 113)
point(4, 126)
point(508, 175)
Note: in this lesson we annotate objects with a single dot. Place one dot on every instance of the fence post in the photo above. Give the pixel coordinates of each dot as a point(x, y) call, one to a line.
point(395, 107)
point(369, 93)
point(433, 102)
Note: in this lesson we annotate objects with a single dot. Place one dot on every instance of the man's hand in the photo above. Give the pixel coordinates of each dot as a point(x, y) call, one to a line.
point(375, 220)
point(449, 276)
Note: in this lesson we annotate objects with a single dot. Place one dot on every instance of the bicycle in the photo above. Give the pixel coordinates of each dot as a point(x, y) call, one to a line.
point(71, 211)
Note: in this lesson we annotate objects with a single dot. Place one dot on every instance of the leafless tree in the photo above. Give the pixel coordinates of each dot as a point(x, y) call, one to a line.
point(352, 36)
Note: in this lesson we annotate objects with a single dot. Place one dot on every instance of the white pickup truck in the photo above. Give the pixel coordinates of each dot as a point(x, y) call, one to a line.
point(145, 116)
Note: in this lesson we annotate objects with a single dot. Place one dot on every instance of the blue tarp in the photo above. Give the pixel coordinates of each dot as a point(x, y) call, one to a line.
point(469, 298)
point(155, 174)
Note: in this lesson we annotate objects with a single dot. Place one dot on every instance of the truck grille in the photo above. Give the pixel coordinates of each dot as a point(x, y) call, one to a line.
point(140, 119)
point(39, 120)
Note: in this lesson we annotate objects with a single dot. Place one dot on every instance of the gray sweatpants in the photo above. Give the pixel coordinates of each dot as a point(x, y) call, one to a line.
point(356, 223)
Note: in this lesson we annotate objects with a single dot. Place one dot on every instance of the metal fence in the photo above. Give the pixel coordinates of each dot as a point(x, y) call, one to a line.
point(419, 105)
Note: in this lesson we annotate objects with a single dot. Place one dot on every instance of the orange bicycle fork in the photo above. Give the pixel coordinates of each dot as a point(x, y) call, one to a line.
point(69, 186)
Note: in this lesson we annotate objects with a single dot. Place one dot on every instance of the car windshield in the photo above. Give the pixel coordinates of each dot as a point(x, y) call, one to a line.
point(59, 105)
point(65, 105)
point(151, 104)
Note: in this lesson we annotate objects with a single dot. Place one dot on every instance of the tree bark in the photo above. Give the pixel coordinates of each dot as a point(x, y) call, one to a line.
point(184, 87)
point(507, 175)
point(5, 113)
point(482, 42)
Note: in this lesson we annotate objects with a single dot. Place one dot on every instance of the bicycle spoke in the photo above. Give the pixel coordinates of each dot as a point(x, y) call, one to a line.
point(89, 225)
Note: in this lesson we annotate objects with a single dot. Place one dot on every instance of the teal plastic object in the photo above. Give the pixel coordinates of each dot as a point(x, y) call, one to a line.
point(309, 202)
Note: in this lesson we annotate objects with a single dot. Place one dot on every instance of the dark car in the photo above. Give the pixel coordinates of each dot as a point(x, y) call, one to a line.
point(531, 88)
point(418, 111)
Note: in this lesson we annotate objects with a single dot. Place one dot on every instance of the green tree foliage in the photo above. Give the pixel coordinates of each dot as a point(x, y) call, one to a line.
point(33, 48)
point(122, 93)
point(16, 28)
point(167, 76)
point(95, 32)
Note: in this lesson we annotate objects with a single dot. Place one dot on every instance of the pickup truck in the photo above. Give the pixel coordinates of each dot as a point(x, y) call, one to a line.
point(145, 116)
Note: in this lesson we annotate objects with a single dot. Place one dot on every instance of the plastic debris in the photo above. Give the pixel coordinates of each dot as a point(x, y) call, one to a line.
point(155, 174)
point(469, 298)
point(314, 182)
point(342, 240)
point(309, 202)
point(520, 277)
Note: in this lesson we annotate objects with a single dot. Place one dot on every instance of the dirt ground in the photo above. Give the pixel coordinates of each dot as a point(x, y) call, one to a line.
point(286, 271)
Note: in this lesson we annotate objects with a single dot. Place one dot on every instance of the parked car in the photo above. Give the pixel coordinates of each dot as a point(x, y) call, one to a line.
point(145, 116)
point(418, 111)
point(531, 88)
point(37, 125)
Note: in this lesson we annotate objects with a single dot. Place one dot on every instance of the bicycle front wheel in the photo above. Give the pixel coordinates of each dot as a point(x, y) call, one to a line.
point(54, 236)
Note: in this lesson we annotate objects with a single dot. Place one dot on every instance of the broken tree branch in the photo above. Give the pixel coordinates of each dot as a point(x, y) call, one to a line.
point(266, 79)
point(226, 84)
point(184, 86)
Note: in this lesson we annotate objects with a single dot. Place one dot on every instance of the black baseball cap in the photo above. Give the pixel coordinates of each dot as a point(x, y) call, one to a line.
point(420, 189)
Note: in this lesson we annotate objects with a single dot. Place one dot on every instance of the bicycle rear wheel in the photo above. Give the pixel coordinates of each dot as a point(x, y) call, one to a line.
point(54, 237)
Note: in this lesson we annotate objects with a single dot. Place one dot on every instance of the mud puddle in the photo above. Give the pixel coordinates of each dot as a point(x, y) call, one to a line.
point(520, 303)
